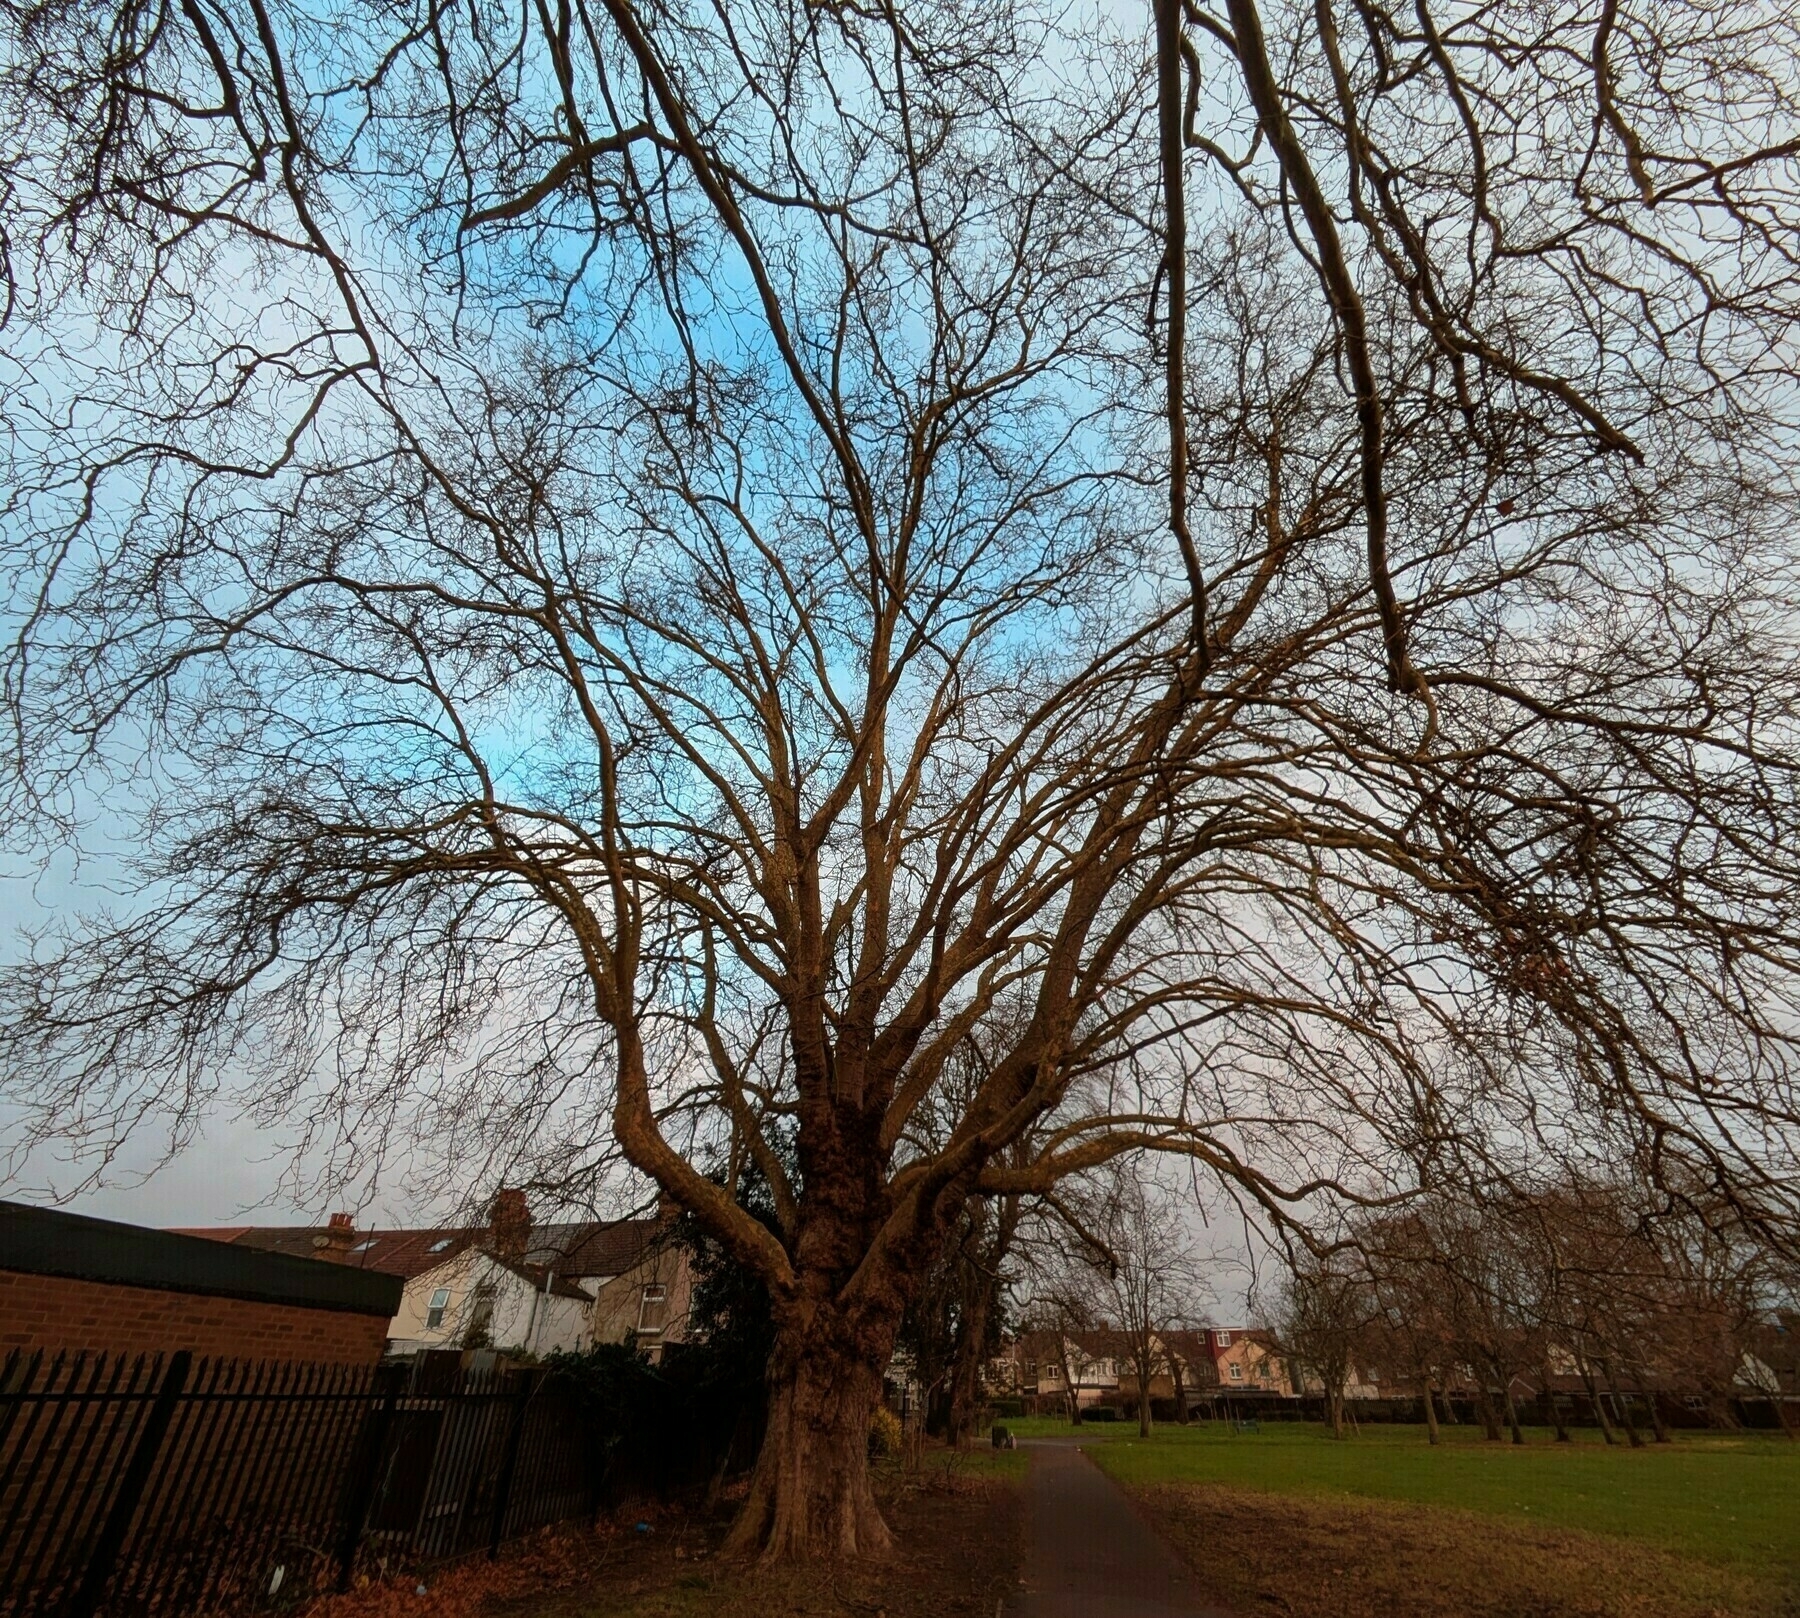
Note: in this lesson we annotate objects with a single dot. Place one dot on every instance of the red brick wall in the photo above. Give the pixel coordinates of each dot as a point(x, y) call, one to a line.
point(51, 1311)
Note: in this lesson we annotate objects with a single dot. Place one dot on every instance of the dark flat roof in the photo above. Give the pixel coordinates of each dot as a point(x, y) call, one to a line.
point(44, 1241)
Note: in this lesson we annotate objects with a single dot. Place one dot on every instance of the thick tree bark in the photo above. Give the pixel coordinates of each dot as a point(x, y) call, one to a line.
point(965, 1370)
point(809, 1494)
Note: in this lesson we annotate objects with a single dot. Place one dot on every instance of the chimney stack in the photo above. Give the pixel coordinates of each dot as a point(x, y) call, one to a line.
point(509, 1224)
point(339, 1235)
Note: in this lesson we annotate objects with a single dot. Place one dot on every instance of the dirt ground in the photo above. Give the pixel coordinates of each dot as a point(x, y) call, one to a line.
point(1281, 1556)
point(960, 1539)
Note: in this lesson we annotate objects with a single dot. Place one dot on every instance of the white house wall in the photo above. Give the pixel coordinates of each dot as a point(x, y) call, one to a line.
point(525, 1319)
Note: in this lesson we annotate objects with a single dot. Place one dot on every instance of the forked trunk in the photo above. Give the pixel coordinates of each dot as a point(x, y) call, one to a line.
point(1622, 1405)
point(1556, 1415)
point(1593, 1393)
point(810, 1494)
point(1490, 1419)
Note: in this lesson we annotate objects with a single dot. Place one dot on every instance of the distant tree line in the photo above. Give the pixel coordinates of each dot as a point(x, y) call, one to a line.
point(1590, 1279)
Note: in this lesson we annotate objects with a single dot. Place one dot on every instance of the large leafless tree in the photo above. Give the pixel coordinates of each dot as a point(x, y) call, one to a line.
point(635, 572)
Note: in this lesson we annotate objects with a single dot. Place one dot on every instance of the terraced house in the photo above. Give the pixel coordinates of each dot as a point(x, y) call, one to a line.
point(510, 1284)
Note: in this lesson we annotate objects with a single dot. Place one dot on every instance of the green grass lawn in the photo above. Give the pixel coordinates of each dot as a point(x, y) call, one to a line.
point(1729, 1498)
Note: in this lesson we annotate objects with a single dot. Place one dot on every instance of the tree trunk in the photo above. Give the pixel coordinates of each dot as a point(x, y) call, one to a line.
point(965, 1370)
point(1431, 1421)
point(1143, 1399)
point(1490, 1420)
point(1181, 1409)
point(1624, 1409)
point(1335, 1403)
point(1593, 1393)
point(1512, 1413)
point(1562, 1431)
point(810, 1494)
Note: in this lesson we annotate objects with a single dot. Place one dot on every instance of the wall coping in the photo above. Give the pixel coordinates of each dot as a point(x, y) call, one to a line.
point(47, 1241)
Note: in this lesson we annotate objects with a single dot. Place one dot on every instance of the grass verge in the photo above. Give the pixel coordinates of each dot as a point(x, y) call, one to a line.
point(1727, 1498)
point(1341, 1557)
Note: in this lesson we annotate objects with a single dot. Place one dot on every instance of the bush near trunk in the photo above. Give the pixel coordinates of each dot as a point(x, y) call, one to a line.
point(661, 1429)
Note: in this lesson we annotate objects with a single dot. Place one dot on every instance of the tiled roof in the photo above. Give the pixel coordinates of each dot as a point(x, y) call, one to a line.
point(1191, 1346)
point(404, 1253)
point(596, 1249)
point(581, 1249)
point(560, 1286)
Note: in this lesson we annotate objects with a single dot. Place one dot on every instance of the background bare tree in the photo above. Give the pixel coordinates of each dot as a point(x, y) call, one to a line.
point(1325, 1308)
point(1151, 1276)
point(617, 564)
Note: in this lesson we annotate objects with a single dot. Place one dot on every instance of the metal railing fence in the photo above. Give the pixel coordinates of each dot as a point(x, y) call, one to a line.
point(169, 1484)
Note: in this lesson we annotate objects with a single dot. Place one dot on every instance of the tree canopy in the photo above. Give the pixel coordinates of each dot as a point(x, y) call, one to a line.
point(674, 577)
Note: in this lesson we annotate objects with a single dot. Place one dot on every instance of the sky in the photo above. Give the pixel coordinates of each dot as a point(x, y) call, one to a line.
point(235, 1170)
point(231, 1170)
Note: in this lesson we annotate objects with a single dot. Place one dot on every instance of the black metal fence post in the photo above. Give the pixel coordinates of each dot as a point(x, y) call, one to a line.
point(131, 1488)
point(509, 1465)
point(365, 1471)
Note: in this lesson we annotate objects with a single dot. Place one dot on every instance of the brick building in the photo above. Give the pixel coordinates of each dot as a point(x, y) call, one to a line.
point(70, 1282)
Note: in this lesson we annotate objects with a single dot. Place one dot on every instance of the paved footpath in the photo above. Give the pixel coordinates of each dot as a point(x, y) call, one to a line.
point(1088, 1554)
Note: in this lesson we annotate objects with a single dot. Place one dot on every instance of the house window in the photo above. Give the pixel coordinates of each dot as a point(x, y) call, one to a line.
point(1237, 1373)
point(1222, 1339)
point(1263, 1371)
point(439, 1246)
point(440, 1301)
point(653, 1309)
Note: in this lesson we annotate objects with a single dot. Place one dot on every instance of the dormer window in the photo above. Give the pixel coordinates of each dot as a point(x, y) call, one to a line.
point(439, 1245)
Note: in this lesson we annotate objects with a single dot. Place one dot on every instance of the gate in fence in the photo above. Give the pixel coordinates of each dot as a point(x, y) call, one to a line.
point(164, 1485)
